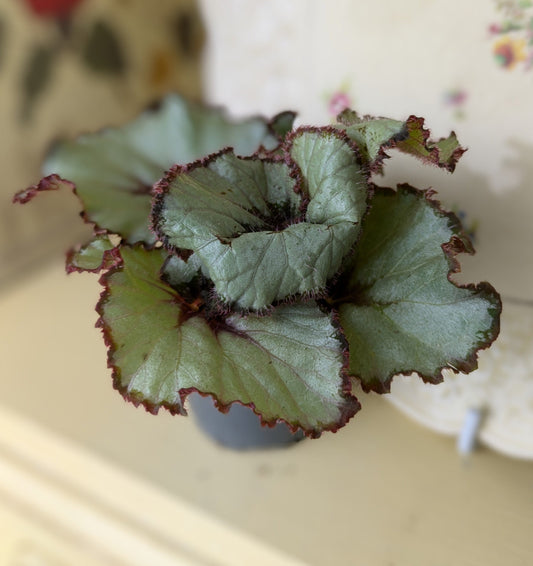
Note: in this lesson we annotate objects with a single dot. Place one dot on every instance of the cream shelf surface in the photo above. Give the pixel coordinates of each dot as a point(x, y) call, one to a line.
point(84, 471)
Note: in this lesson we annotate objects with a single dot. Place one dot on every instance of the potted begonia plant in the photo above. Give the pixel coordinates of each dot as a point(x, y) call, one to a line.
point(258, 264)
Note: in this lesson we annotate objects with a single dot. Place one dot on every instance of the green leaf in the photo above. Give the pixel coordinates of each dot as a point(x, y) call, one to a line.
point(371, 134)
point(449, 151)
point(282, 123)
point(279, 128)
point(374, 135)
point(400, 311)
point(50, 183)
point(243, 218)
point(333, 177)
point(114, 170)
point(287, 366)
point(93, 256)
point(179, 273)
point(444, 153)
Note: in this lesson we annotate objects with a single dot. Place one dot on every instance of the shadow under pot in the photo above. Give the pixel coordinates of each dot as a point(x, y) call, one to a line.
point(239, 428)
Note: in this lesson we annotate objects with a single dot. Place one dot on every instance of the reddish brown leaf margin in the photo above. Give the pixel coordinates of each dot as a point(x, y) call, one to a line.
point(110, 258)
point(458, 243)
point(417, 142)
point(53, 183)
point(347, 411)
point(50, 183)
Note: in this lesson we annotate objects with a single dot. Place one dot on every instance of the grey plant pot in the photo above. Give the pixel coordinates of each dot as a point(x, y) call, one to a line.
point(239, 428)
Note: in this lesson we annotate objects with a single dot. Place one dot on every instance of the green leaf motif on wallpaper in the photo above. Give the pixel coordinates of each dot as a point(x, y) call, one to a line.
point(36, 77)
point(102, 51)
point(187, 32)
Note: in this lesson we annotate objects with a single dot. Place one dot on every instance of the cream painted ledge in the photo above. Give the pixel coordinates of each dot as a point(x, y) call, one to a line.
point(60, 504)
point(381, 491)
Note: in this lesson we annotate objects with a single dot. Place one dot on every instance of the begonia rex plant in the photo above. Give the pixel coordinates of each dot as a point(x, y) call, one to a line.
point(259, 263)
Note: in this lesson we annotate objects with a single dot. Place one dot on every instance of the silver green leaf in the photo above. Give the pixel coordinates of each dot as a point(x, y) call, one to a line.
point(287, 366)
point(282, 123)
point(179, 273)
point(371, 134)
point(93, 256)
point(400, 311)
point(262, 236)
point(374, 135)
point(114, 170)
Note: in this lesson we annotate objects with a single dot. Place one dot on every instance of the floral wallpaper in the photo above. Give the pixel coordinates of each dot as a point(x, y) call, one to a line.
point(97, 45)
point(100, 51)
point(68, 66)
point(52, 8)
point(512, 34)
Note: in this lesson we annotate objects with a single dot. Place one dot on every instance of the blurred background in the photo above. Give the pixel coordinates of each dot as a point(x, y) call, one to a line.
point(72, 66)
point(384, 491)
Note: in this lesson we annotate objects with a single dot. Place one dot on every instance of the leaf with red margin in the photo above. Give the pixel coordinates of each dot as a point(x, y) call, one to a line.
point(375, 135)
point(95, 256)
point(114, 170)
point(287, 366)
point(282, 123)
point(228, 211)
point(444, 153)
point(55, 183)
point(50, 183)
point(400, 311)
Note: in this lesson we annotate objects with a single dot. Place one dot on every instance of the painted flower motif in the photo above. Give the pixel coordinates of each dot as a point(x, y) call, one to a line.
point(455, 98)
point(514, 32)
point(508, 52)
point(52, 8)
point(338, 102)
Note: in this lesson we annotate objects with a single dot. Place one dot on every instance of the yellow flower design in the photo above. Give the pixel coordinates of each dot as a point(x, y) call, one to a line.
point(508, 51)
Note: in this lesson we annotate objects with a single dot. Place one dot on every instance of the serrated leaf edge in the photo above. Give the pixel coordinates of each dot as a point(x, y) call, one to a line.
point(348, 410)
point(431, 146)
point(162, 187)
point(54, 182)
point(109, 258)
point(458, 243)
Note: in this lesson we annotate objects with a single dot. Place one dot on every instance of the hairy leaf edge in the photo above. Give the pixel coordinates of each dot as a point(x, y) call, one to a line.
point(109, 258)
point(431, 146)
point(458, 243)
point(162, 187)
point(348, 410)
point(54, 182)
